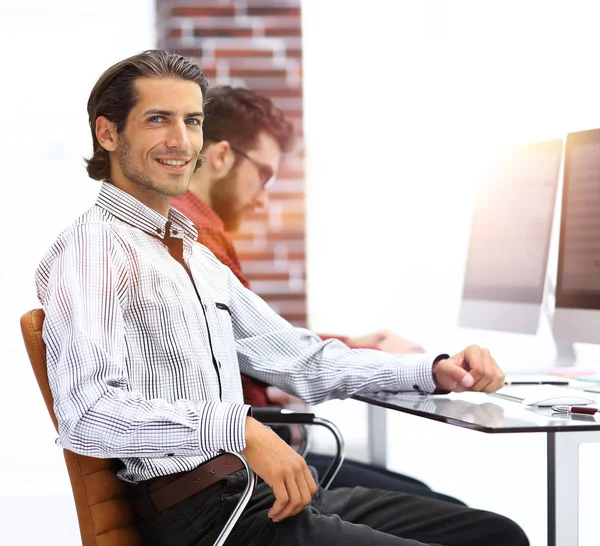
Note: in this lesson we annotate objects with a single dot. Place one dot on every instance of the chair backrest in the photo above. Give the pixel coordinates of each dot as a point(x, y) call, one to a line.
point(105, 513)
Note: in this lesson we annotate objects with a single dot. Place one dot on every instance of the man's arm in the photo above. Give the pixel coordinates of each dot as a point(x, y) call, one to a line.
point(84, 289)
point(296, 360)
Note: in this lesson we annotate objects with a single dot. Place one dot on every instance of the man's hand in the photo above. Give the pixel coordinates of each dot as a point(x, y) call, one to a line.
point(472, 369)
point(386, 341)
point(282, 469)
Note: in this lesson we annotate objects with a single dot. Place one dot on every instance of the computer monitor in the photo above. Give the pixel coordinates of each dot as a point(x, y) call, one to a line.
point(577, 312)
point(510, 238)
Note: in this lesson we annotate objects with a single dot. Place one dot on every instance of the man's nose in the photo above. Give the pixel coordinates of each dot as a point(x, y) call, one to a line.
point(178, 136)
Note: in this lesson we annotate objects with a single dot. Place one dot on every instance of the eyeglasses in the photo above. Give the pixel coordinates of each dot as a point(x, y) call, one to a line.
point(265, 172)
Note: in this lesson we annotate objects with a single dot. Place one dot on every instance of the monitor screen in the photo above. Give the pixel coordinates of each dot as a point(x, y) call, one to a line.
point(578, 282)
point(512, 224)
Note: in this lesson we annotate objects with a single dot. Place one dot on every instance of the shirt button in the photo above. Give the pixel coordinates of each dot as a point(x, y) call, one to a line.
point(175, 232)
point(416, 387)
point(158, 230)
point(170, 454)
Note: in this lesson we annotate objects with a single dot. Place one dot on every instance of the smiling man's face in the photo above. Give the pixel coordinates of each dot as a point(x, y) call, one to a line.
point(158, 150)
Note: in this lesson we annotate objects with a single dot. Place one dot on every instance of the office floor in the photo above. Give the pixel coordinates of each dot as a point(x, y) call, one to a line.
point(504, 473)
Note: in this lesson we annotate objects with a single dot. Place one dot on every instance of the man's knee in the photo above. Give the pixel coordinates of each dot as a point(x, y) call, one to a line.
point(505, 531)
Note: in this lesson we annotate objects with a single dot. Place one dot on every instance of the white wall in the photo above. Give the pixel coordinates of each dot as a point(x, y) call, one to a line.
point(402, 101)
point(53, 52)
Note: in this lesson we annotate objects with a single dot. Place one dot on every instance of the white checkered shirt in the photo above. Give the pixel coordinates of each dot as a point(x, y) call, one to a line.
point(145, 367)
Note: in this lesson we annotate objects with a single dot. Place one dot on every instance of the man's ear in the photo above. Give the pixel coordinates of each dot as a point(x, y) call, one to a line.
point(221, 157)
point(106, 133)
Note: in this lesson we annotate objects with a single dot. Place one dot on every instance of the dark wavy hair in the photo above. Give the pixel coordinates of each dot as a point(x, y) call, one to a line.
point(114, 95)
point(238, 115)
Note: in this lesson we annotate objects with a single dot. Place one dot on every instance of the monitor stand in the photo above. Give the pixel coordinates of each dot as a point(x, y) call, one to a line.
point(565, 354)
point(565, 350)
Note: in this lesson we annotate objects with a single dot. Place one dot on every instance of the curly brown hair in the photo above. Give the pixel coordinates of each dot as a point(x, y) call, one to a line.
point(114, 95)
point(238, 115)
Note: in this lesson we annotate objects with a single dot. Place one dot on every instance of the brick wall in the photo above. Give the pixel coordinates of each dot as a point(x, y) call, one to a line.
point(256, 44)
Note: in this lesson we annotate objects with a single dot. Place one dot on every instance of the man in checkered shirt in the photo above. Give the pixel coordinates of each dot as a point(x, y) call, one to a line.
point(147, 332)
point(250, 125)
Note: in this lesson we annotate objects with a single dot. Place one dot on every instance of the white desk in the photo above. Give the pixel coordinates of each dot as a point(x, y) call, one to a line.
point(491, 415)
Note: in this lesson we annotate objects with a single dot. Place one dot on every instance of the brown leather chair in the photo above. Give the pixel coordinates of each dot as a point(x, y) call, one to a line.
point(105, 514)
point(104, 510)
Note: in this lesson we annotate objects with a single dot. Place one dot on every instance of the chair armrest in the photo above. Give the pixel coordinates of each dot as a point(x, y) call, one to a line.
point(278, 416)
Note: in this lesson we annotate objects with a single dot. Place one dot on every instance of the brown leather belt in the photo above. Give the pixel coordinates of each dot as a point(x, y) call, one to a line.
point(167, 491)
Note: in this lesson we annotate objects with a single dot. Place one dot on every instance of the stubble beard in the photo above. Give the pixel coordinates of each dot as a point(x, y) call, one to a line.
point(224, 202)
point(142, 180)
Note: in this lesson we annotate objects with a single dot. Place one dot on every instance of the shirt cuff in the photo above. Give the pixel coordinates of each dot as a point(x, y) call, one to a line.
point(417, 377)
point(223, 427)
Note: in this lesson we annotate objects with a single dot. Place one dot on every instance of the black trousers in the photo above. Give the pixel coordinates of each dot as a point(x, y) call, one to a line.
point(354, 473)
point(339, 517)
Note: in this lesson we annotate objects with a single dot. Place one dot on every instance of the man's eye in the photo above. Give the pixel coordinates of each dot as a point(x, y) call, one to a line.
point(155, 119)
point(193, 121)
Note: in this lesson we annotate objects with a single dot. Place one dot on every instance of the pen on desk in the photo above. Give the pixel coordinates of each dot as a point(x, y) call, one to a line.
point(575, 409)
point(557, 382)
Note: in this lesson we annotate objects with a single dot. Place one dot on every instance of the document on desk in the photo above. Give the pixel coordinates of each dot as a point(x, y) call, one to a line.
point(544, 395)
point(535, 379)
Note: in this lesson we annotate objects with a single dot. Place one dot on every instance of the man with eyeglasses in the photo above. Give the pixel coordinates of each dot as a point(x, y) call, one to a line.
point(245, 135)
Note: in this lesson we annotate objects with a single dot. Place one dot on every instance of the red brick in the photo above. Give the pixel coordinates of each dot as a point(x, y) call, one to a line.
point(272, 276)
point(251, 256)
point(283, 295)
point(238, 32)
point(290, 92)
point(286, 31)
point(205, 11)
point(286, 235)
point(295, 216)
point(276, 196)
point(175, 33)
point(294, 52)
point(257, 73)
point(279, 11)
point(222, 53)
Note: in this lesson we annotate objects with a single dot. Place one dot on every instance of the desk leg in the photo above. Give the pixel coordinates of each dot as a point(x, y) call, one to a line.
point(377, 429)
point(563, 485)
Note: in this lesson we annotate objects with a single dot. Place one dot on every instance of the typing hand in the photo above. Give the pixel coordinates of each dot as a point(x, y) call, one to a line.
point(472, 369)
point(282, 469)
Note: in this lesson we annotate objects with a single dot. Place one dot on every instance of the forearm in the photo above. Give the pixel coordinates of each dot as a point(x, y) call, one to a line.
point(123, 424)
point(296, 360)
point(317, 371)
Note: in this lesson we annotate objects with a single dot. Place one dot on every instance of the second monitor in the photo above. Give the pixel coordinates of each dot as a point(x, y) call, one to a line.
point(577, 313)
point(510, 239)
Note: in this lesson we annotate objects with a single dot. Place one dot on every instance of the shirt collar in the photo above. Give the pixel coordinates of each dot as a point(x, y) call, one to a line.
point(128, 209)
